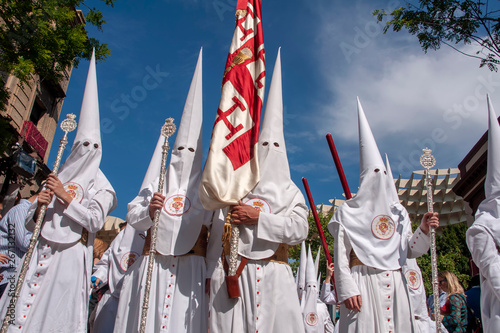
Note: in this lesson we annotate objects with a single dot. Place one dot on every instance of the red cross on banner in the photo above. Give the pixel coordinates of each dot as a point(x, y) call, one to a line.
point(231, 170)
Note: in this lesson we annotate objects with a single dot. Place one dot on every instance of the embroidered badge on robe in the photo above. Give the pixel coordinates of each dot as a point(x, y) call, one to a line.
point(259, 204)
point(383, 227)
point(177, 205)
point(75, 190)
point(413, 279)
point(128, 260)
point(312, 319)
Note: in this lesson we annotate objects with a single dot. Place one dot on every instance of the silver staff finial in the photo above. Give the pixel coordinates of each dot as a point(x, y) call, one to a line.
point(69, 124)
point(168, 128)
point(427, 160)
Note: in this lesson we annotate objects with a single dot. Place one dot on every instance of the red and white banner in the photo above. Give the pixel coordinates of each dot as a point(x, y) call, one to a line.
point(231, 170)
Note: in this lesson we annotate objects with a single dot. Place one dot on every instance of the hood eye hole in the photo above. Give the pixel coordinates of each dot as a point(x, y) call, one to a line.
point(180, 148)
point(385, 173)
point(96, 145)
point(265, 143)
point(377, 170)
point(276, 144)
point(86, 143)
point(191, 150)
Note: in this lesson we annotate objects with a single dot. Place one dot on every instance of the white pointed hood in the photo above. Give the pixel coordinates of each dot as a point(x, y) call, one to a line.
point(391, 188)
point(488, 212)
point(183, 214)
point(369, 155)
point(132, 242)
point(310, 300)
point(275, 193)
point(154, 168)
point(301, 273)
point(371, 219)
point(492, 183)
point(316, 261)
point(80, 172)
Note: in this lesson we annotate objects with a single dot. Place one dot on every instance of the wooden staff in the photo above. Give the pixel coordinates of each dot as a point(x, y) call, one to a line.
point(316, 219)
point(320, 229)
point(167, 130)
point(340, 170)
point(428, 161)
point(67, 125)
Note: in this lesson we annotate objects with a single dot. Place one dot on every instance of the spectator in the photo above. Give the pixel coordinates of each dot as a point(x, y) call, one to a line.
point(100, 247)
point(474, 296)
point(442, 300)
point(14, 239)
point(454, 312)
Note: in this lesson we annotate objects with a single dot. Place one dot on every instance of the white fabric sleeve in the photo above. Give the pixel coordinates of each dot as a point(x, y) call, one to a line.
point(291, 229)
point(327, 295)
point(101, 268)
point(327, 320)
point(418, 243)
point(346, 286)
point(138, 210)
point(485, 254)
point(329, 327)
point(30, 217)
point(214, 247)
point(92, 218)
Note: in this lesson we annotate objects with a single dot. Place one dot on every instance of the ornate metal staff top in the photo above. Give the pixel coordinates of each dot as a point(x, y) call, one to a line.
point(167, 130)
point(67, 125)
point(428, 161)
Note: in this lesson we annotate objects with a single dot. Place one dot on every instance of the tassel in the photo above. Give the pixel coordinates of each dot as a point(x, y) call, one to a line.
point(226, 234)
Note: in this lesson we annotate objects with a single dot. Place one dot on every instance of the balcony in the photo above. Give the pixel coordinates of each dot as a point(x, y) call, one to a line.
point(35, 138)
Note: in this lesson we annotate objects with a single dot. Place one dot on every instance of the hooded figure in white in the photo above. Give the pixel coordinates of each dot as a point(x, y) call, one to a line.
point(413, 275)
point(373, 239)
point(271, 217)
point(123, 252)
point(483, 237)
point(55, 293)
point(177, 301)
point(314, 312)
point(301, 272)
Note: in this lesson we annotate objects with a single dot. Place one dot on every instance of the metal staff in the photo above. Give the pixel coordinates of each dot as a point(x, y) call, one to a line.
point(428, 161)
point(340, 170)
point(233, 254)
point(67, 125)
point(167, 130)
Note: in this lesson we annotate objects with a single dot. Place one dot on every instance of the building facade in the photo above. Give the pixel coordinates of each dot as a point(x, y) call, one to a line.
point(31, 117)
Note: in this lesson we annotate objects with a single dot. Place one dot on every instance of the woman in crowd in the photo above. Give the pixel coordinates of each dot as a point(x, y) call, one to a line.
point(454, 312)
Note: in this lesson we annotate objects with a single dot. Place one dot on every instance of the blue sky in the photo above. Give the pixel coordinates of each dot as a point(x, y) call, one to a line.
point(332, 51)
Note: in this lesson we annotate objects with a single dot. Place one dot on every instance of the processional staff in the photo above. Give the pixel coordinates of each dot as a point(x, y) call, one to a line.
point(319, 227)
point(167, 130)
point(428, 161)
point(67, 125)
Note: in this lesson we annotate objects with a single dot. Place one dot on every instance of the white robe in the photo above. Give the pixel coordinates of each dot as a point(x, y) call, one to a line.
point(485, 254)
point(384, 295)
point(423, 323)
point(177, 301)
point(125, 249)
point(324, 318)
point(267, 303)
point(55, 293)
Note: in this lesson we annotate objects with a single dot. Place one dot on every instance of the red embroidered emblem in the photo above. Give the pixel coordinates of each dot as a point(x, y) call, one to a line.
point(413, 279)
point(177, 205)
point(383, 227)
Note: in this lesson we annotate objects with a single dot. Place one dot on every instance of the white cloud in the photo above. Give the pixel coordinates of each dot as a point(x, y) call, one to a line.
point(410, 98)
